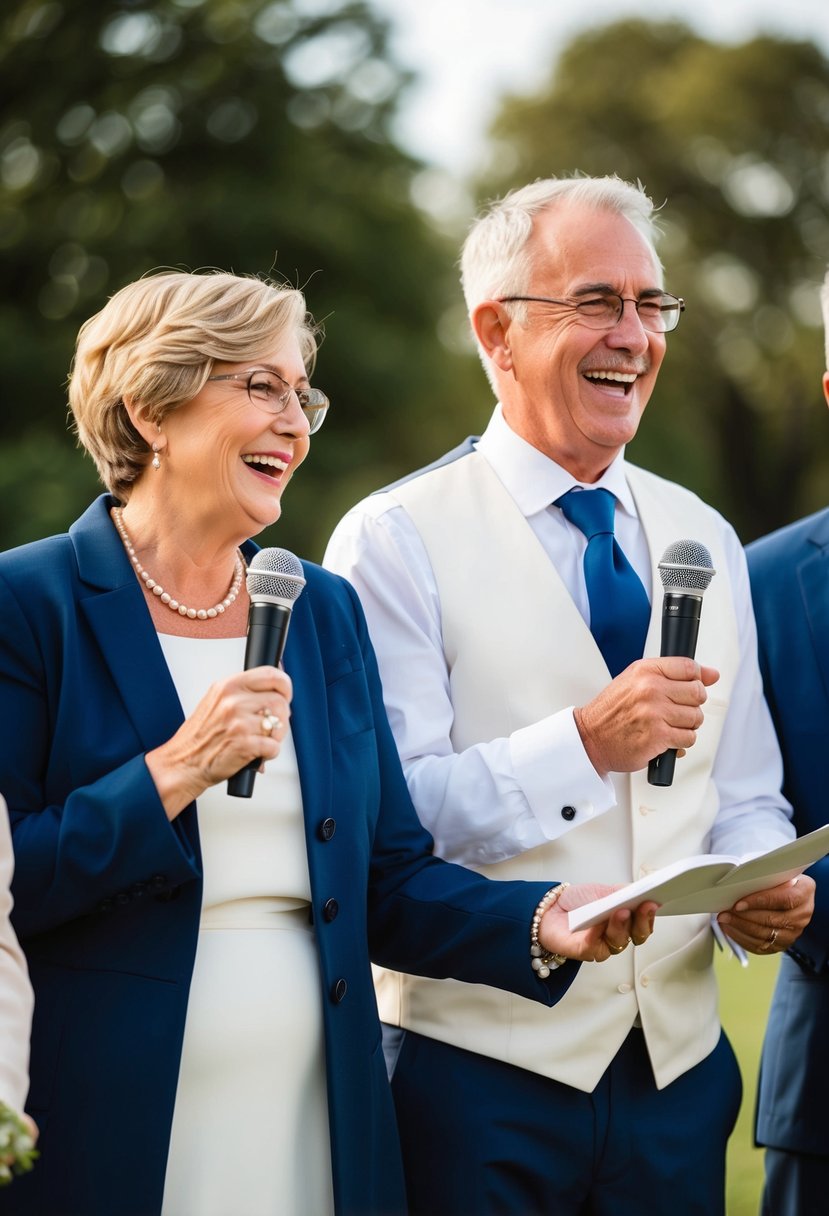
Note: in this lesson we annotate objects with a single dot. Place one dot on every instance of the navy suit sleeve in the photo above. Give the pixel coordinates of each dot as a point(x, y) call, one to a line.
point(431, 917)
point(78, 841)
point(798, 699)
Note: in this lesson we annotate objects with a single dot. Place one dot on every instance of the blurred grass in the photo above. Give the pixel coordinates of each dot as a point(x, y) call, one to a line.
point(745, 994)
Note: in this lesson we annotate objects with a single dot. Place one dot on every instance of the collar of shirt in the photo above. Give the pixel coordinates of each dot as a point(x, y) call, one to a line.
point(535, 481)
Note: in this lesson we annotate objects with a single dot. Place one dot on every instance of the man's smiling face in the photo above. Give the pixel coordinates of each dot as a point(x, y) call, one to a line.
point(577, 393)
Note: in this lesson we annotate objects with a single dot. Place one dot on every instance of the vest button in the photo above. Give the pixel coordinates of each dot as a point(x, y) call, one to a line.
point(624, 988)
point(330, 909)
point(327, 829)
point(338, 991)
point(568, 813)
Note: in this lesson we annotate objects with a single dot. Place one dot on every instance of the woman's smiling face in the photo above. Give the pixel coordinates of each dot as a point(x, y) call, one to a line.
point(228, 455)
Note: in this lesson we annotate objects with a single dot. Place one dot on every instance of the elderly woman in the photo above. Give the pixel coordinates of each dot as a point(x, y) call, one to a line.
point(205, 1037)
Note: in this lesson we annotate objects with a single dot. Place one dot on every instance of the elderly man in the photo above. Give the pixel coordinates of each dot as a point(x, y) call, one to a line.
point(790, 584)
point(511, 595)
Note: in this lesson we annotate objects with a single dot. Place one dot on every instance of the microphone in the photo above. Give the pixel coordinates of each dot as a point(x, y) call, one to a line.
point(686, 570)
point(274, 581)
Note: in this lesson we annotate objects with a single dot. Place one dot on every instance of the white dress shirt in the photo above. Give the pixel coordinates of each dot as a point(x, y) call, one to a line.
point(497, 799)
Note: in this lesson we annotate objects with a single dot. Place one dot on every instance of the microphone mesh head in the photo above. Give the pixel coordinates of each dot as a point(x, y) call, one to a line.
point(686, 566)
point(276, 574)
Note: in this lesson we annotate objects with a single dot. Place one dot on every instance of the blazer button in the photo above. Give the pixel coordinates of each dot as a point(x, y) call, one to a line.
point(568, 813)
point(327, 829)
point(105, 905)
point(166, 897)
point(158, 882)
point(338, 991)
point(122, 898)
point(330, 909)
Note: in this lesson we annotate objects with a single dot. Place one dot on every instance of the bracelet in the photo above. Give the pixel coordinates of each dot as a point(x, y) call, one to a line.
point(543, 961)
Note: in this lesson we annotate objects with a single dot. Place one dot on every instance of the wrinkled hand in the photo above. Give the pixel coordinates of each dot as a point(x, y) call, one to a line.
point(652, 706)
point(224, 733)
point(770, 921)
point(599, 942)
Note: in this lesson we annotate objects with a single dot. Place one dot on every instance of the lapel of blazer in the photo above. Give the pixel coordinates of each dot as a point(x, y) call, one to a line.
point(813, 578)
point(114, 606)
point(309, 717)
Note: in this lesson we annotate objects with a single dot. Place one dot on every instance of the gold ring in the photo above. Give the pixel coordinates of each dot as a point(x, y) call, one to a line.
point(772, 939)
point(618, 949)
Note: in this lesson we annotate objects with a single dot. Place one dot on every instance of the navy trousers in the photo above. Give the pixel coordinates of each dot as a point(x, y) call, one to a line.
point(797, 1184)
point(483, 1138)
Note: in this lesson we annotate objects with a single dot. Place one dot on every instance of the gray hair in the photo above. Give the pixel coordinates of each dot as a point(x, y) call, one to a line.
point(496, 259)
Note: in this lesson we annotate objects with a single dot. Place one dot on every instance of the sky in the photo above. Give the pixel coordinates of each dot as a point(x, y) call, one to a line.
point(468, 53)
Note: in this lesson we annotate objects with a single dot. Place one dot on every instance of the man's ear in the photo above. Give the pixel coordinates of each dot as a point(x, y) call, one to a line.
point(491, 323)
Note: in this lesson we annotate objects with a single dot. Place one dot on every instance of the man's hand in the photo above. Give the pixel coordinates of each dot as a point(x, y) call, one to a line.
point(652, 706)
point(768, 922)
point(599, 942)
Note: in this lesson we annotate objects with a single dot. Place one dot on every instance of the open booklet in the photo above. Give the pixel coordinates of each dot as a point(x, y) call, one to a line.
point(710, 883)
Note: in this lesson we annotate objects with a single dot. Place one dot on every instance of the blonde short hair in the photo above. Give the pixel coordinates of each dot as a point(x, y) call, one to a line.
point(156, 341)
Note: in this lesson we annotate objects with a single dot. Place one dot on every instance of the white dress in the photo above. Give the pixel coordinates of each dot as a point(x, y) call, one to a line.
point(250, 1130)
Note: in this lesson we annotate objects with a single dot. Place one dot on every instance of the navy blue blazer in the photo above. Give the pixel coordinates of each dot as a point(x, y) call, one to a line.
point(790, 586)
point(108, 891)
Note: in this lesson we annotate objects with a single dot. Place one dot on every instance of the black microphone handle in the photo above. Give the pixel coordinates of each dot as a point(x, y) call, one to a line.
point(680, 629)
point(267, 633)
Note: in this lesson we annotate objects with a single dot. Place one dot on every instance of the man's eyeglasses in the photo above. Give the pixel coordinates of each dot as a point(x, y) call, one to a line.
point(271, 393)
point(658, 313)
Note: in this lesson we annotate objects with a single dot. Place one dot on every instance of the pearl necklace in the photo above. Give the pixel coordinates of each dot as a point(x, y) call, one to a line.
point(200, 614)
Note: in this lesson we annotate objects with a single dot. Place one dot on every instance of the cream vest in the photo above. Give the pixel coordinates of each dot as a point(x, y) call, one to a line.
point(517, 650)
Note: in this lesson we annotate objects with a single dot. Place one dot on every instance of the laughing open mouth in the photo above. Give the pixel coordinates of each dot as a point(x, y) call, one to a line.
point(623, 379)
point(271, 466)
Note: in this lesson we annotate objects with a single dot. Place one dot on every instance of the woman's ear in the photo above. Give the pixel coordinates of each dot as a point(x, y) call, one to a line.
point(150, 432)
point(491, 323)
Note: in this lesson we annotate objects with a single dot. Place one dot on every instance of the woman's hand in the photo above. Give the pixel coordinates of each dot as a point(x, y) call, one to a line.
point(599, 942)
point(238, 719)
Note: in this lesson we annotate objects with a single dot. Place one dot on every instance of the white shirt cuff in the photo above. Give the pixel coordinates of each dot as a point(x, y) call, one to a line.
point(561, 786)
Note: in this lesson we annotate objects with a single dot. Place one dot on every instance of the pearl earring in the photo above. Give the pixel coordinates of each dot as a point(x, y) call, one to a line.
point(156, 462)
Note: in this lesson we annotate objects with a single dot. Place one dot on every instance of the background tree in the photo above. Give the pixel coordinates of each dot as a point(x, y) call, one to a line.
point(245, 134)
point(255, 135)
point(736, 139)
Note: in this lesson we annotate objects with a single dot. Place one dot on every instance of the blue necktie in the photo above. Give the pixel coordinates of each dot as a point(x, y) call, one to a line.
point(619, 608)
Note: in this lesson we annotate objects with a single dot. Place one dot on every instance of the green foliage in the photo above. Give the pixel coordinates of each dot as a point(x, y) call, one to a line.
point(251, 135)
point(745, 995)
point(735, 140)
point(254, 135)
point(17, 1150)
